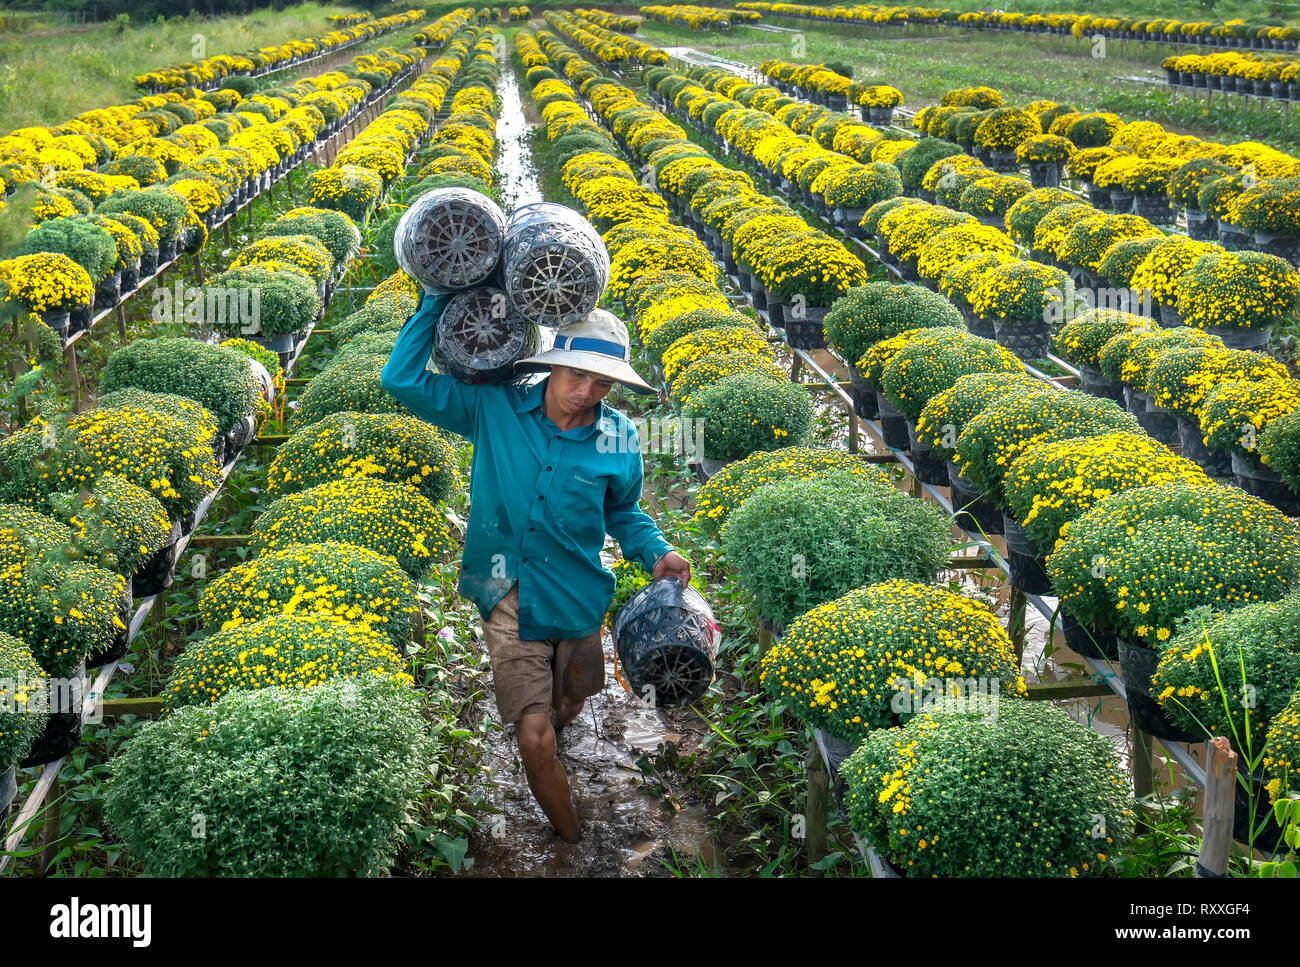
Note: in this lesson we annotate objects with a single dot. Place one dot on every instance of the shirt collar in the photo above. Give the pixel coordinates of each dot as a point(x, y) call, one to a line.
point(532, 398)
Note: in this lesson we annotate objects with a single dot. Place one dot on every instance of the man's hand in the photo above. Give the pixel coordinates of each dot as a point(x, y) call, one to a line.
point(673, 564)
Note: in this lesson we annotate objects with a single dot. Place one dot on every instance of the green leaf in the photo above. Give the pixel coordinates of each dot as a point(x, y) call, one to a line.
point(452, 850)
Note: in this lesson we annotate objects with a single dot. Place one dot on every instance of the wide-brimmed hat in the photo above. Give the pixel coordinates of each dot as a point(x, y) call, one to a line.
point(596, 343)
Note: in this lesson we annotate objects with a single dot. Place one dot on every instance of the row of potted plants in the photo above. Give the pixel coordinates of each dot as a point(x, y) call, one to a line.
point(713, 360)
point(638, 52)
point(327, 601)
point(78, 257)
point(697, 18)
point(210, 72)
point(1229, 33)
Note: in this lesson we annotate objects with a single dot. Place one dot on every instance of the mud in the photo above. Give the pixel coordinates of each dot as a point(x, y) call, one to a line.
point(629, 824)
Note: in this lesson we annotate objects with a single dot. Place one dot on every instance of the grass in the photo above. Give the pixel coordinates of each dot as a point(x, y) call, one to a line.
point(1023, 67)
point(49, 79)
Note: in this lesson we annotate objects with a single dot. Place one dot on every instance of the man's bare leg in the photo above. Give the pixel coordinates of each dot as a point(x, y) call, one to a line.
point(566, 711)
point(546, 776)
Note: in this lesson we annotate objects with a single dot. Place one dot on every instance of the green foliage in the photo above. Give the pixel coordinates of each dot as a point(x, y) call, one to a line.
point(748, 412)
point(23, 698)
point(1125, 563)
point(350, 384)
point(216, 376)
point(797, 543)
point(1247, 654)
point(867, 314)
point(286, 781)
point(1017, 796)
point(286, 301)
point(77, 237)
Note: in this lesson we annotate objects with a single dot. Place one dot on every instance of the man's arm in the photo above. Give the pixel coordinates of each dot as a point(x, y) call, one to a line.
point(438, 398)
point(637, 534)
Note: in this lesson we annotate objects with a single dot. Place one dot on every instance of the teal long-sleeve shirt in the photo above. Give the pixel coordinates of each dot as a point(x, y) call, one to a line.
point(541, 498)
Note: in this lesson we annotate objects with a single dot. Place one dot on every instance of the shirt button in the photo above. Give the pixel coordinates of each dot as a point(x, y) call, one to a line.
point(548, 469)
point(540, 497)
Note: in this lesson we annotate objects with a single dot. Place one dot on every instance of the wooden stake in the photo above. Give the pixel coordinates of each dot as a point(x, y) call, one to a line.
point(1216, 827)
point(819, 787)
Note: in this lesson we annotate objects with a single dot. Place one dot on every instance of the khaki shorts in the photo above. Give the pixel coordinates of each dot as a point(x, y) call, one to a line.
point(530, 676)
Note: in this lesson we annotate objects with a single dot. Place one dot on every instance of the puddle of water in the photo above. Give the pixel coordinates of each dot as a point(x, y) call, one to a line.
point(515, 169)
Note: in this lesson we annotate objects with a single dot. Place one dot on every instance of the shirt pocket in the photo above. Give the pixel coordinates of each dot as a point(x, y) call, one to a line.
point(580, 513)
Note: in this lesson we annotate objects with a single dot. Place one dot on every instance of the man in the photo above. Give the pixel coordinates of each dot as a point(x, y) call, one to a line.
point(554, 469)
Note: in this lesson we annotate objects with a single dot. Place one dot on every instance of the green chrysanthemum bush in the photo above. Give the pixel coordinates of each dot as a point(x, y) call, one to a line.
point(1089, 239)
point(865, 660)
point(1278, 446)
point(289, 650)
point(914, 376)
point(29, 534)
point(285, 301)
point(797, 543)
point(749, 412)
point(716, 366)
point(993, 195)
point(216, 376)
point(345, 581)
point(1217, 654)
point(349, 385)
point(941, 421)
point(388, 446)
point(1018, 794)
point(1052, 483)
point(334, 229)
point(731, 486)
point(1180, 379)
point(706, 342)
point(658, 339)
point(1129, 356)
point(1121, 260)
point(23, 700)
point(290, 782)
point(1080, 340)
point(388, 518)
point(1282, 751)
point(1007, 426)
point(869, 313)
point(1023, 291)
point(954, 245)
point(1125, 564)
point(1023, 217)
point(116, 522)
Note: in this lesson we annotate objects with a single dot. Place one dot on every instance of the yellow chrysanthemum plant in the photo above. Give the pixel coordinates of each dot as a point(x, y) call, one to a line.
point(868, 659)
point(1124, 564)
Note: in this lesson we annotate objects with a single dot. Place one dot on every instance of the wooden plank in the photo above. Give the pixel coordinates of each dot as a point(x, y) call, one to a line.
point(818, 802)
point(146, 707)
point(1216, 827)
point(1051, 691)
point(220, 540)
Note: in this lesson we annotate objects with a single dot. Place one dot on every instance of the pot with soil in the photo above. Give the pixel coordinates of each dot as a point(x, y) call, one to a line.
point(975, 513)
point(1194, 449)
point(63, 726)
point(1025, 562)
point(1257, 480)
point(862, 395)
point(1283, 246)
point(155, 574)
point(1235, 338)
point(1139, 664)
point(893, 425)
point(116, 648)
point(60, 320)
point(1045, 174)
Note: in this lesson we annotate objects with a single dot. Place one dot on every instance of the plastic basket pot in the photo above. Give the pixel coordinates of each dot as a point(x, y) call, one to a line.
point(554, 266)
point(666, 639)
point(479, 337)
point(450, 238)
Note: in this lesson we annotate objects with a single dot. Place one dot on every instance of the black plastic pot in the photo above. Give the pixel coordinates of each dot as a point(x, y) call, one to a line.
point(893, 425)
point(1254, 478)
point(1027, 338)
point(62, 727)
point(1045, 174)
point(155, 574)
point(666, 638)
point(863, 396)
point(1093, 380)
point(975, 513)
point(1089, 641)
point(929, 466)
point(1024, 560)
point(1194, 449)
point(1139, 664)
point(116, 648)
